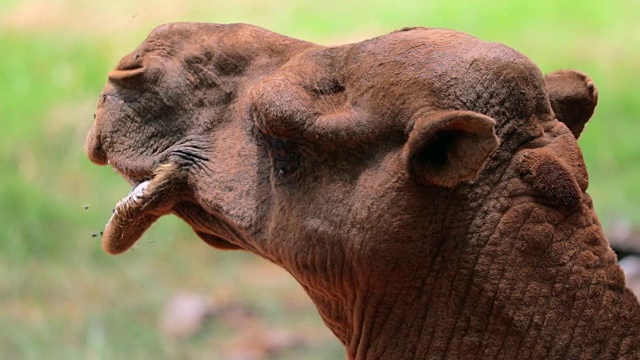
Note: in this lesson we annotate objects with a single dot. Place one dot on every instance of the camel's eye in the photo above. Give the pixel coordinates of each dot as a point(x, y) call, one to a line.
point(284, 152)
point(285, 157)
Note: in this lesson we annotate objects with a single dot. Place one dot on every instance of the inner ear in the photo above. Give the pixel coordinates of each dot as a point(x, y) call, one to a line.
point(436, 154)
point(451, 147)
point(573, 97)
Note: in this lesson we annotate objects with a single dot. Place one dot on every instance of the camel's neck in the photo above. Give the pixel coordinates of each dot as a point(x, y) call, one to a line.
point(555, 292)
point(596, 325)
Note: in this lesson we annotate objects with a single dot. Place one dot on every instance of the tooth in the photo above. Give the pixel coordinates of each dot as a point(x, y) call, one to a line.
point(138, 191)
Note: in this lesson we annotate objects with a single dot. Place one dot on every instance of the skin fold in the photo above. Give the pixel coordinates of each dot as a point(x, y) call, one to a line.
point(424, 187)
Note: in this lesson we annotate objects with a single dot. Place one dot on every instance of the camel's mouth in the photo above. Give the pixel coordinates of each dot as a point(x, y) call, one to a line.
point(134, 214)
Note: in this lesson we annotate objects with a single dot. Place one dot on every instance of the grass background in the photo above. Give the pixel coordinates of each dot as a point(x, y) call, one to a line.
point(63, 298)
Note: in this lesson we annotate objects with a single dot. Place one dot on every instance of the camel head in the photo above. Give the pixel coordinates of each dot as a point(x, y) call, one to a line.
point(379, 174)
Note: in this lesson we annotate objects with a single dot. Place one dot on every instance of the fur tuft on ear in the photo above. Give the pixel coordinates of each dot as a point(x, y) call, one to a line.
point(573, 97)
point(447, 148)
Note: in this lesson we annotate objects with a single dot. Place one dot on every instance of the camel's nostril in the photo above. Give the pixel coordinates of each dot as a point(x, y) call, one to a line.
point(128, 71)
point(119, 74)
point(130, 66)
point(132, 62)
point(128, 78)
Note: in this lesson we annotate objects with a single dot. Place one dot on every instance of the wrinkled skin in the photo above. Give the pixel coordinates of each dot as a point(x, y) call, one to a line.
point(425, 187)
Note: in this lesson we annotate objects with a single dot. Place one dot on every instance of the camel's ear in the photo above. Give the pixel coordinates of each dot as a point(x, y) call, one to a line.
point(447, 148)
point(573, 97)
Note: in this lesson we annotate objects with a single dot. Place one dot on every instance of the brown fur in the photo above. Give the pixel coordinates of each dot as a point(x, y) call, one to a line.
point(418, 185)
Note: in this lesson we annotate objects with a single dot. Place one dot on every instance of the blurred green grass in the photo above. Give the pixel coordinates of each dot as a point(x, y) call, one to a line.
point(63, 298)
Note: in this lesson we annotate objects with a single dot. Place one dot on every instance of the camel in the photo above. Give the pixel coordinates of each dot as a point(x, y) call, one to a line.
point(424, 187)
